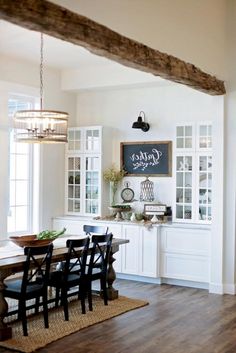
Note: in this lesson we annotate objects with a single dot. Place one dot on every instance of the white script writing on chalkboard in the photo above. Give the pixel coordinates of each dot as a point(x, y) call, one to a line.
point(142, 160)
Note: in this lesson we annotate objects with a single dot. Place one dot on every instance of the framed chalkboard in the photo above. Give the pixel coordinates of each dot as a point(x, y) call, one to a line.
point(146, 158)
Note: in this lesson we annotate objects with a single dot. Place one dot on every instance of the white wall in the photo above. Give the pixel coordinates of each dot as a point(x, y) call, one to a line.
point(164, 107)
point(21, 77)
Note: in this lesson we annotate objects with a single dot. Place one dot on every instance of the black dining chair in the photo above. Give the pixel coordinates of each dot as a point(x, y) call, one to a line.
point(33, 284)
point(98, 265)
point(72, 274)
point(88, 230)
point(91, 230)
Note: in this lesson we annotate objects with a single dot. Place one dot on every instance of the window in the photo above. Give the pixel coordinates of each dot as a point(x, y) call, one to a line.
point(21, 174)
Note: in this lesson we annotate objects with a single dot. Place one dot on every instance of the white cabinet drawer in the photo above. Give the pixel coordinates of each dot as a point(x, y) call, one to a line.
point(185, 267)
point(185, 241)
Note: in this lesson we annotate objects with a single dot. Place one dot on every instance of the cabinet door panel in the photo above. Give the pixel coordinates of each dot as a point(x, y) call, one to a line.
point(148, 249)
point(83, 171)
point(130, 250)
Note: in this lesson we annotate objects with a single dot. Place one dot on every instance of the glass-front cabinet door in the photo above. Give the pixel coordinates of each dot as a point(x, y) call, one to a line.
point(184, 188)
point(204, 139)
point(83, 171)
point(74, 140)
point(92, 140)
point(193, 172)
point(185, 138)
point(205, 187)
point(92, 184)
point(73, 184)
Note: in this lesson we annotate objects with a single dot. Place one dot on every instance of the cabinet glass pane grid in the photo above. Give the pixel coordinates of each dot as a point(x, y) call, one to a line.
point(92, 140)
point(83, 196)
point(74, 140)
point(205, 188)
point(184, 187)
point(91, 184)
point(205, 136)
point(184, 137)
point(74, 184)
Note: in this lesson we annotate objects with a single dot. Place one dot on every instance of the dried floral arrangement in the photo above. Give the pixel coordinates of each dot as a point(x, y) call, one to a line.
point(113, 174)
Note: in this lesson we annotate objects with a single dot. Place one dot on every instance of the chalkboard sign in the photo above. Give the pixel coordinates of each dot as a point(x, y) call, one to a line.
point(146, 158)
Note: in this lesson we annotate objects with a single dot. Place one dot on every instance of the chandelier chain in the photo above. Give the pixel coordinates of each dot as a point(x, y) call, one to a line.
point(41, 72)
point(39, 125)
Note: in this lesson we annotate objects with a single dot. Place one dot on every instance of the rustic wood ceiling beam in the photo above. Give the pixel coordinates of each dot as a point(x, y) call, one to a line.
point(56, 21)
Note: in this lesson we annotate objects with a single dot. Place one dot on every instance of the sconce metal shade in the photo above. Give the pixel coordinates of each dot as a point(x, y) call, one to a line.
point(140, 124)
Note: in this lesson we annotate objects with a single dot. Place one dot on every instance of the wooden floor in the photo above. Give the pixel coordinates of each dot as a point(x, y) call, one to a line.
point(178, 320)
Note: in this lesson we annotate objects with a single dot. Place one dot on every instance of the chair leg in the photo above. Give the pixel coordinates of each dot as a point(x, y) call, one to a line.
point(64, 302)
point(37, 305)
point(104, 290)
point(82, 295)
point(89, 289)
point(57, 297)
point(22, 316)
point(45, 310)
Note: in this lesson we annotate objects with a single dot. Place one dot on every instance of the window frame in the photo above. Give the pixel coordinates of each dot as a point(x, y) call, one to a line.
point(32, 102)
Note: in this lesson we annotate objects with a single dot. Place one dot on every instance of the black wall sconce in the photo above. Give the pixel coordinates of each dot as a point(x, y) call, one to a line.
point(140, 123)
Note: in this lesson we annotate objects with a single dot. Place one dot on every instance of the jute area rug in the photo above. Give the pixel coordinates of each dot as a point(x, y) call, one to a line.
point(39, 336)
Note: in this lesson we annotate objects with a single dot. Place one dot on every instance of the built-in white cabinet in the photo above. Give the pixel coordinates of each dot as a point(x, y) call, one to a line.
point(193, 173)
point(139, 257)
point(177, 252)
point(185, 254)
point(84, 164)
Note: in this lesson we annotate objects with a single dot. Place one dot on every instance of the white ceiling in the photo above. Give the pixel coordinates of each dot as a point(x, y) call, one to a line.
point(94, 71)
point(25, 44)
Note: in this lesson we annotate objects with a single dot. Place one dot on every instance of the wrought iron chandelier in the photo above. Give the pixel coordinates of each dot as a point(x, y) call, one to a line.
point(44, 126)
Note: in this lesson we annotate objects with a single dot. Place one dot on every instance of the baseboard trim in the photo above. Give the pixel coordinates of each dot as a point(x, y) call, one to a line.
point(183, 283)
point(160, 280)
point(139, 278)
point(216, 288)
point(229, 289)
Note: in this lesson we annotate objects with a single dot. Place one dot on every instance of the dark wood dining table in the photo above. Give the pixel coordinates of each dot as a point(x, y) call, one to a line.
point(12, 260)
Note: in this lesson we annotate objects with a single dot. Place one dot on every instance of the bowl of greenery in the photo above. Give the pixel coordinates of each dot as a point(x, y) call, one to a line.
point(45, 237)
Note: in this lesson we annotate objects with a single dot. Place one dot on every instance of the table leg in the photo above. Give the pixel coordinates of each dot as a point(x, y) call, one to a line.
point(5, 331)
point(111, 276)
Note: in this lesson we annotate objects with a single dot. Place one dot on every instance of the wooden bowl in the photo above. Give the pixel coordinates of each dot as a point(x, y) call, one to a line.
point(30, 240)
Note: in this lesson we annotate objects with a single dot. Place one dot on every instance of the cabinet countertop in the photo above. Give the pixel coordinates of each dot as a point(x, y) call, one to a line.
point(138, 223)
